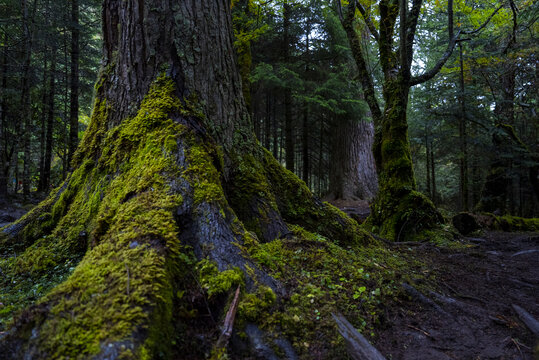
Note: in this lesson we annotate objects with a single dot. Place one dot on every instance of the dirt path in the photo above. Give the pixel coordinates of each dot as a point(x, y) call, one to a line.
point(470, 316)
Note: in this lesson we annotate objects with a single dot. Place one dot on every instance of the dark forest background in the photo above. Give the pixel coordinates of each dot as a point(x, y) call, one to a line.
point(473, 129)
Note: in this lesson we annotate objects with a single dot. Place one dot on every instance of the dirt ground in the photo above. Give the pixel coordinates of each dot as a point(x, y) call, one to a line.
point(470, 316)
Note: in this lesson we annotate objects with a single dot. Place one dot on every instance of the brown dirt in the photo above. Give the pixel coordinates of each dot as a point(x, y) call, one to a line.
point(470, 314)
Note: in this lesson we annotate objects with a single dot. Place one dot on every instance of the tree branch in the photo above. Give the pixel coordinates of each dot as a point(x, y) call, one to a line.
point(403, 49)
point(364, 75)
point(368, 21)
point(452, 41)
point(413, 18)
point(469, 32)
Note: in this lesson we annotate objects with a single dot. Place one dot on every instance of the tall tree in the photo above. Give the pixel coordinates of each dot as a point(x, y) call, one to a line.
point(74, 81)
point(169, 161)
point(398, 209)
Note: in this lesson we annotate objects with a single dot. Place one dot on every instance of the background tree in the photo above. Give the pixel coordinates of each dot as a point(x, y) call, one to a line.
point(36, 47)
point(399, 208)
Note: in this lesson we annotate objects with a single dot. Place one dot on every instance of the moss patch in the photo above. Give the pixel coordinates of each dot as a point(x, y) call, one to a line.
point(323, 277)
point(117, 214)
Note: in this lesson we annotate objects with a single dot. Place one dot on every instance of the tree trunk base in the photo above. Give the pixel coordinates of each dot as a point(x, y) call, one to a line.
point(143, 238)
point(404, 216)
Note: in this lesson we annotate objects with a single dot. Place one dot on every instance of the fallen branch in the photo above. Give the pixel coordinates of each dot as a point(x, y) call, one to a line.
point(228, 326)
point(527, 319)
point(422, 331)
point(219, 350)
point(359, 348)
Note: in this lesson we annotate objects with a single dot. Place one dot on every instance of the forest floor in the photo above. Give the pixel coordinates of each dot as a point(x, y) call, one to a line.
point(470, 315)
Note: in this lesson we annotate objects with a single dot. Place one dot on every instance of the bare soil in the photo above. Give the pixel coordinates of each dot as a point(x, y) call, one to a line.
point(470, 315)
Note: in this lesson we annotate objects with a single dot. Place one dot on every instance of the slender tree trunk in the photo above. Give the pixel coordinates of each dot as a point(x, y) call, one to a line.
point(268, 119)
point(50, 123)
point(433, 175)
point(43, 132)
point(427, 161)
point(6, 152)
point(26, 113)
point(305, 145)
point(463, 142)
point(74, 81)
point(288, 121)
point(275, 128)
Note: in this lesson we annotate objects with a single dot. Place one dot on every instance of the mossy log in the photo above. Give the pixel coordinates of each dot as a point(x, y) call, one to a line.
point(467, 222)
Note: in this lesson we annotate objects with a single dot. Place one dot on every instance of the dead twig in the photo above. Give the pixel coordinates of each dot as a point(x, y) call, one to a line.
point(422, 331)
point(516, 344)
point(228, 325)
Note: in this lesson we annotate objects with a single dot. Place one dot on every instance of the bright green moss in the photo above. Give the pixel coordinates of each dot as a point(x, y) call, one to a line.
point(323, 277)
point(202, 174)
point(118, 203)
point(515, 223)
point(215, 282)
point(255, 306)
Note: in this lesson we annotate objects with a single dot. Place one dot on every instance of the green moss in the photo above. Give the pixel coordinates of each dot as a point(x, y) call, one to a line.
point(215, 282)
point(119, 204)
point(202, 174)
point(509, 223)
point(405, 215)
point(323, 277)
point(256, 306)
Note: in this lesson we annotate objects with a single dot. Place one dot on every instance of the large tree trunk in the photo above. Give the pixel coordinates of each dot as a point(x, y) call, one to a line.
point(352, 173)
point(169, 167)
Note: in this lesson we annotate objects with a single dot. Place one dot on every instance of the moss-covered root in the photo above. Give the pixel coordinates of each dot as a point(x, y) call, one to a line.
point(265, 195)
point(408, 215)
point(128, 212)
point(118, 299)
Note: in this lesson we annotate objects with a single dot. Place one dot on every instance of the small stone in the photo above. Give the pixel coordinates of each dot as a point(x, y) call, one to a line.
point(133, 245)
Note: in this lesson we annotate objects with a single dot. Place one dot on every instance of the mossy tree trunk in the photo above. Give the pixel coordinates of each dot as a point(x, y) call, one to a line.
point(399, 210)
point(168, 173)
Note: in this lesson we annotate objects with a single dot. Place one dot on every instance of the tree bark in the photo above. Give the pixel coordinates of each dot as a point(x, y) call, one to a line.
point(169, 174)
point(352, 172)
